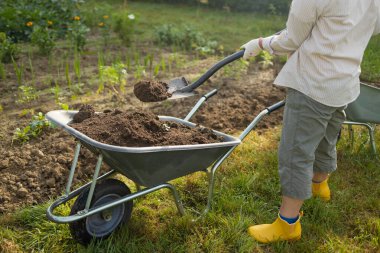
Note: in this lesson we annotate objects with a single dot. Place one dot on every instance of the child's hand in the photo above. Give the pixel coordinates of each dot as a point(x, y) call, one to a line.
point(252, 48)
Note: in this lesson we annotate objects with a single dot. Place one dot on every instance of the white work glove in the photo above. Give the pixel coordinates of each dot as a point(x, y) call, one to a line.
point(252, 48)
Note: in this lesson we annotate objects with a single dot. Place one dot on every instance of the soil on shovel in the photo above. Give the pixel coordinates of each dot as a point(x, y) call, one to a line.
point(141, 129)
point(151, 91)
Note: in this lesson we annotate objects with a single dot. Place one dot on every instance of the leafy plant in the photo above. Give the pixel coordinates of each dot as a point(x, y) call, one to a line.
point(26, 94)
point(77, 32)
point(114, 75)
point(33, 130)
point(125, 28)
point(17, 18)
point(105, 28)
point(8, 49)
point(44, 38)
point(184, 37)
point(265, 59)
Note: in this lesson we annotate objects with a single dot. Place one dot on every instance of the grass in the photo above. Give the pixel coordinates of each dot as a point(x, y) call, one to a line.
point(247, 192)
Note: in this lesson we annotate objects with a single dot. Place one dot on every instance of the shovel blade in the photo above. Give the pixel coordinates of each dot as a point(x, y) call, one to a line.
point(175, 86)
point(178, 95)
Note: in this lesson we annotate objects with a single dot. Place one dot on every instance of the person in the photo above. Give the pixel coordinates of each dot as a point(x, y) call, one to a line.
point(325, 41)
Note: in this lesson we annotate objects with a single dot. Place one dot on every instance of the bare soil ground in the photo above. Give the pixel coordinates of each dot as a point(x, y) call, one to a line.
point(37, 171)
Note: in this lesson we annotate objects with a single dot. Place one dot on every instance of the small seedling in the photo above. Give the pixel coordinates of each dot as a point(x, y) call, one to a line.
point(26, 94)
point(33, 130)
point(19, 71)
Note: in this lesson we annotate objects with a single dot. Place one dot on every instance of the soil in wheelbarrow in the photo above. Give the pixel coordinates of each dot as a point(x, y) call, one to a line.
point(151, 91)
point(140, 129)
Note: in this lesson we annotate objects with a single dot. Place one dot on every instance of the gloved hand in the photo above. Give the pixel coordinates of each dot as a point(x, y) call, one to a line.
point(252, 48)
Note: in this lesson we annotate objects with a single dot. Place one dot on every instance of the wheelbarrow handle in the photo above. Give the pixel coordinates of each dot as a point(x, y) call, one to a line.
point(212, 70)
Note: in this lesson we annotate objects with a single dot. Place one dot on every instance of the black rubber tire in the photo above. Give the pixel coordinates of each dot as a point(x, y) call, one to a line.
point(107, 190)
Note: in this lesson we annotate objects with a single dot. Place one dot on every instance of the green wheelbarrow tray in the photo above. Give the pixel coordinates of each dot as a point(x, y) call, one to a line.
point(366, 108)
point(151, 166)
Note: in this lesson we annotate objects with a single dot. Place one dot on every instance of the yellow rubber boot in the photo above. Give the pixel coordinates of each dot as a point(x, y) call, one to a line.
point(321, 190)
point(279, 230)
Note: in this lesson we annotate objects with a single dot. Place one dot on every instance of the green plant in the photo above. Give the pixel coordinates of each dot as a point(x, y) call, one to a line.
point(17, 18)
point(184, 37)
point(1, 108)
point(265, 59)
point(3, 76)
point(33, 130)
point(139, 72)
point(8, 49)
point(77, 67)
point(210, 48)
point(26, 94)
point(113, 76)
point(105, 28)
point(76, 33)
point(19, 71)
point(44, 38)
point(67, 74)
point(125, 28)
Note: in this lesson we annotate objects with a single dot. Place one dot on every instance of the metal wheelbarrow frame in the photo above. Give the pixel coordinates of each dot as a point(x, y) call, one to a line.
point(224, 149)
point(364, 111)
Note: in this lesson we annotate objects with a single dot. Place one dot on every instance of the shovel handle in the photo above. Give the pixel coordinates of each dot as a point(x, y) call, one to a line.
point(212, 70)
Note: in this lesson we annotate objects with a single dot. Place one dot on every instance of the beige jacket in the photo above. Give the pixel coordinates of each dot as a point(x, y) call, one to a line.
point(326, 40)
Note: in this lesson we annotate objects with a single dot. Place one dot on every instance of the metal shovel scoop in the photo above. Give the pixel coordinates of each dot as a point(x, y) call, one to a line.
point(180, 88)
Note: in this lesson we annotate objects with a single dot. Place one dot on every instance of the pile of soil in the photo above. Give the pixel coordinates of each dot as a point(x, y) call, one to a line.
point(141, 129)
point(151, 91)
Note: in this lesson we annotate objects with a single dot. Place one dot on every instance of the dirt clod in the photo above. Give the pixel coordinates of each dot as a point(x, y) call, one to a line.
point(151, 91)
point(142, 129)
point(85, 112)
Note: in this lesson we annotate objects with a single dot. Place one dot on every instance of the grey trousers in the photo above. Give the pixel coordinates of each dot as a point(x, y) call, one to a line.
point(308, 143)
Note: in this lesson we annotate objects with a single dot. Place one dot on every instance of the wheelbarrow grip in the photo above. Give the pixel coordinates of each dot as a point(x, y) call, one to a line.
point(210, 94)
point(276, 106)
point(212, 70)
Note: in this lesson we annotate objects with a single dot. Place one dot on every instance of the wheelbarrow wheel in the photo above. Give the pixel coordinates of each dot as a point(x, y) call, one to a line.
point(101, 225)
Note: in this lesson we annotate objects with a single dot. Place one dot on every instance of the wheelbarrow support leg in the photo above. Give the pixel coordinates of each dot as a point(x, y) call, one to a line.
point(94, 179)
point(72, 170)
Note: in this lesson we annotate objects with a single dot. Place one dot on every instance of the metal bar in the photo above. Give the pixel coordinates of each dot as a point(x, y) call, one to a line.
point(72, 170)
point(72, 218)
point(371, 130)
point(253, 124)
point(93, 183)
point(195, 108)
point(63, 199)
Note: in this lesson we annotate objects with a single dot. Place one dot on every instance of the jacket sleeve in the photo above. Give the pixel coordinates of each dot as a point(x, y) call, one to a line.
point(302, 17)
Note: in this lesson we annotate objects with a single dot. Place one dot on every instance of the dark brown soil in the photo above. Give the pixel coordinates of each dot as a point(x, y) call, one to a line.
point(151, 91)
point(141, 129)
point(85, 112)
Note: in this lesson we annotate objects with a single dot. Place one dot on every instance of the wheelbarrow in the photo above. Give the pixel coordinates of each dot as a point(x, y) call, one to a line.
point(104, 204)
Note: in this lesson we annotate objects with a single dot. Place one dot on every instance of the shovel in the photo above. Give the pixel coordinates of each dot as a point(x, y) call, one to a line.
point(180, 88)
